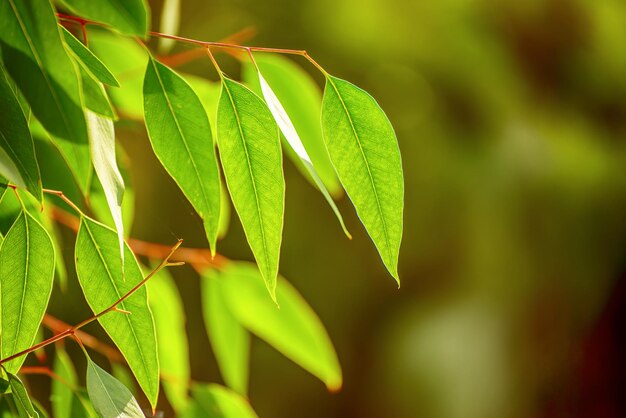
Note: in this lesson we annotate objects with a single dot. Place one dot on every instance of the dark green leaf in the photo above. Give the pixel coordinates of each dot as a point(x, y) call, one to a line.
point(130, 17)
point(20, 396)
point(250, 153)
point(100, 276)
point(17, 152)
point(26, 276)
point(180, 134)
point(89, 60)
point(96, 98)
point(109, 397)
point(364, 150)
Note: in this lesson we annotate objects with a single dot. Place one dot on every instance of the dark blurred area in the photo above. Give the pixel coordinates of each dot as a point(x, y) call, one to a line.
point(511, 119)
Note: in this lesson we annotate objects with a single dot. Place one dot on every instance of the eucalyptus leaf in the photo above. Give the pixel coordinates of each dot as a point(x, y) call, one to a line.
point(170, 21)
point(26, 276)
point(130, 17)
point(294, 329)
point(180, 135)
point(363, 148)
point(36, 59)
point(23, 403)
point(230, 341)
point(109, 397)
point(249, 146)
point(99, 271)
point(62, 392)
point(215, 401)
point(169, 320)
point(96, 98)
point(17, 157)
point(87, 58)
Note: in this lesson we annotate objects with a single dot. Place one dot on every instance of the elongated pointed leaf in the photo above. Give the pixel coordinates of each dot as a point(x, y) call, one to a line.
point(91, 62)
point(215, 401)
point(130, 17)
point(96, 98)
point(17, 159)
point(364, 150)
point(20, 396)
point(180, 134)
point(26, 276)
point(170, 21)
point(36, 59)
point(102, 138)
point(293, 139)
point(230, 341)
point(301, 98)
point(109, 397)
point(169, 319)
point(62, 393)
point(249, 145)
point(100, 276)
point(294, 329)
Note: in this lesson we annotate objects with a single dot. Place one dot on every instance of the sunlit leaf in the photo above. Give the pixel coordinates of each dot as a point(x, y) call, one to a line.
point(215, 401)
point(294, 329)
point(301, 98)
point(364, 150)
point(17, 151)
point(170, 21)
point(130, 17)
point(20, 396)
point(180, 134)
point(36, 59)
point(26, 276)
point(293, 139)
point(250, 153)
point(169, 320)
point(109, 397)
point(102, 140)
point(100, 276)
point(89, 60)
point(229, 340)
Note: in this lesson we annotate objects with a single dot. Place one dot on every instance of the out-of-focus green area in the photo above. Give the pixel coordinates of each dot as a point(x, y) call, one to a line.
point(511, 119)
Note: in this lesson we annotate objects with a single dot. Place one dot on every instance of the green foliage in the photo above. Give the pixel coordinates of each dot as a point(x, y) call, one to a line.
point(52, 153)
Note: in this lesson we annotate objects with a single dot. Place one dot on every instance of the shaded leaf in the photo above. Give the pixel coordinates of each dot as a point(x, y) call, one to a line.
point(36, 59)
point(169, 320)
point(130, 17)
point(100, 276)
point(96, 98)
point(180, 135)
point(20, 396)
point(91, 62)
point(26, 276)
point(17, 152)
point(109, 397)
point(62, 393)
point(250, 153)
point(230, 341)
point(364, 150)
point(294, 329)
point(215, 401)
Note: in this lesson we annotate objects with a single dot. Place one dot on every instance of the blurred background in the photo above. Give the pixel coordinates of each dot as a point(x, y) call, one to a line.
point(511, 120)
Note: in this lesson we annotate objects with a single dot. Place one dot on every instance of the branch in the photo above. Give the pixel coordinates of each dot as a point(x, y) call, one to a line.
point(72, 330)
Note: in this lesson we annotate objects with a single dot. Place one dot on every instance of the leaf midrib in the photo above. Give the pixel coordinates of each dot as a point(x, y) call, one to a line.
point(256, 195)
point(369, 172)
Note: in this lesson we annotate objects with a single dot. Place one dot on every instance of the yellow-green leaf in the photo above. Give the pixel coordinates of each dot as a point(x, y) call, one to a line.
point(130, 17)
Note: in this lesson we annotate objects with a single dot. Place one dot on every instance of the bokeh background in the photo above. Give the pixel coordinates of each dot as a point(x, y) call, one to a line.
point(511, 120)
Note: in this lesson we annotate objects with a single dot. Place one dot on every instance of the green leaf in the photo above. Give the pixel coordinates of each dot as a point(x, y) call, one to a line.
point(301, 98)
point(130, 17)
point(26, 276)
point(128, 98)
point(109, 397)
point(169, 319)
point(215, 401)
point(170, 21)
point(249, 145)
point(229, 339)
point(209, 94)
point(62, 393)
point(91, 62)
point(100, 276)
point(294, 329)
point(17, 152)
point(96, 98)
point(364, 150)
point(102, 141)
point(180, 134)
point(20, 396)
point(293, 139)
point(36, 59)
